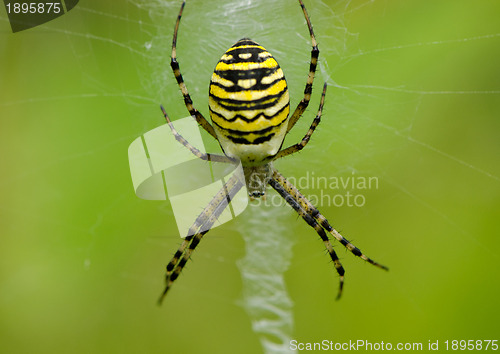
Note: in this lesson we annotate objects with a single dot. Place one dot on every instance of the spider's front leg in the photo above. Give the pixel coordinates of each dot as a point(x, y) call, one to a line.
point(301, 107)
point(174, 64)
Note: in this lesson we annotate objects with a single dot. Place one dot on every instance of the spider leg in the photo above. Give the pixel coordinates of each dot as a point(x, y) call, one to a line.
point(314, 212)
point(296, 205)
point(200, 227)
point(180, 81)
point(195, 151)
point(301, 107)
point(299, 146)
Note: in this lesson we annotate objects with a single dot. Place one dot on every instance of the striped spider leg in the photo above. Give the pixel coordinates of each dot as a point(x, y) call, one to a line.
point(195, 151)
point(307, 210)
point(204, 222)
point(318, 222)
point(301, 107)
point(310, 209)
point(207, 217)
point(174, 64)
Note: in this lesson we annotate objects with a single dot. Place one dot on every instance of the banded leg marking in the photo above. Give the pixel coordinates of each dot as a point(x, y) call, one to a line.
point(301, 107)
point(314, 212)
point(290, 199)
point(180, 81)
point(299, 146)
point(195, 151)
point(203, 222)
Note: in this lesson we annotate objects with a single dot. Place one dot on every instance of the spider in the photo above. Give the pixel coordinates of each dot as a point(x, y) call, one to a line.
point(249, 107)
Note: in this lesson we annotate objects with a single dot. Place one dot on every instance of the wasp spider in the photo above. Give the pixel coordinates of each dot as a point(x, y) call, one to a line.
point(249, 107)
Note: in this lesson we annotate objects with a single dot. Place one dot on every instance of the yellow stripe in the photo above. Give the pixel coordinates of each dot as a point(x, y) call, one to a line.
point(278, 74)
point(259, 124)
point(217, 79)
point(248, 95)
point(269, 63)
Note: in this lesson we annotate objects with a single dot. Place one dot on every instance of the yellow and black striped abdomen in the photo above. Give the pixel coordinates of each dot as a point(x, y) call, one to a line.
point(249, 103)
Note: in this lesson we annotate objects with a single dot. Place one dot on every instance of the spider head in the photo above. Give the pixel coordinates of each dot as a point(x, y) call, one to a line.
point(257, 178)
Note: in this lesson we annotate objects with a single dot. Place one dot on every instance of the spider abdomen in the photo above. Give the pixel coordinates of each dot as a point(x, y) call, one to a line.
point(249, 103)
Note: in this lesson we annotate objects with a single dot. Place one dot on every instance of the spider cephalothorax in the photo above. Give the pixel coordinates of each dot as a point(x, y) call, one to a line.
point(249, 107)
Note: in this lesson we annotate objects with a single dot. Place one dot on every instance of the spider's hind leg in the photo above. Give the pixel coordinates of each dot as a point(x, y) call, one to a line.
point(314, 212)
point(290, 199)
point(200, 227)
point(316, 220)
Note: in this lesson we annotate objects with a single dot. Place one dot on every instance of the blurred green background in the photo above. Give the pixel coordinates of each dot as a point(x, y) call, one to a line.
point(414, 100)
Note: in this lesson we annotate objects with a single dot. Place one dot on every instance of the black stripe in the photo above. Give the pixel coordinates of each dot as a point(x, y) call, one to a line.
point(244, 41)
point(194, 243)
point(254, 55)
point(312, 67)
point(242, 133)
point(257, 141)
point(248, 120)
point(235, 75)
point(356, 251)
point(308, 89)
point(171, 266)
point(259, 86)
point(177, 73)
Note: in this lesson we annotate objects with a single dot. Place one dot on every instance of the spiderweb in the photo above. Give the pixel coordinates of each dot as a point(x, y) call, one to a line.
point(208, 28)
